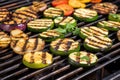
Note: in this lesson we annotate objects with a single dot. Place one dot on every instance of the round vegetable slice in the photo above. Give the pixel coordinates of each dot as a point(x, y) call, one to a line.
point(64, 46)
point(4, 40)
point(37, 60)
point(114, 17)
point(53, 12)
point(105, 8)
point(59, 2)
point(22, 46)
point(17, 34)
point(76, 4)
point(96, 1)
point(50, 35)
point(92, 31)
point(68, 10)
point(110, 25)
point(63, 21)
point(40, 25)
point(82, 59)
point(86, 15)
point(97, 43)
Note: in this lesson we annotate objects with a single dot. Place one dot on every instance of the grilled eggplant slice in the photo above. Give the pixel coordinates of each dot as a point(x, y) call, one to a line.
point(118, 35)
point(82, 59)
point(91, 31)
point(110, 25)
point(105, 8)
point(38, 6)
point(86, 15)
point(4, 15)
point(53, 12)
point(40, 25)
point(97, 43)
point(37, 59)
point(64, 47)
point(4, 40)
point(27, 45)
point(50, 35)
point(63, 21)
point(18, 34)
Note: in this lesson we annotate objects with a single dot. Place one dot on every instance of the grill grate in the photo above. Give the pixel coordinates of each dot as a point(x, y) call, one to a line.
point(11, 67)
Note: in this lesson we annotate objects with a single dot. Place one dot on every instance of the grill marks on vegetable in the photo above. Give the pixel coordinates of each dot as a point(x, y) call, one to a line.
point(44, 57)
point(4, 15)
point(27, 45)
point(98, 42)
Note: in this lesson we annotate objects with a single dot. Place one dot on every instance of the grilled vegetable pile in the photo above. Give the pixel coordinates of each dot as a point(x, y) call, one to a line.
point(86, 15)
point(40, 25)
point(37, 59)
point(110, 25)
point(92, 31)
point(64, 46)
point(4, 40)
point(82, 59)
point(97, 43)
point(50, 35)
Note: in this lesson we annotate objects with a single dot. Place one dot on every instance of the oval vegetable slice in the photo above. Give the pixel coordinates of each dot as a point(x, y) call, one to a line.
point(37, 59)
point(86, 15)
point(92, 31)
point(76, 4)
point(22, 46)
point(64, 47)
point(59, 2)
point(97, 43)
point(114, 17)
point(4, 40)
point(96, 1)
point(40, 25)
point(63, 21)
point(68, 10)
point(82, 59)
point(110, 25)
point(53, 12)
point(50, 35)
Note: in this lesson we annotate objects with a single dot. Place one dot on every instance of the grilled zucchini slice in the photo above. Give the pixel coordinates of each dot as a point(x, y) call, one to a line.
point(18, 34)
point(50, 35)
point(91, 31)
point(118, 35)
point(97, 43)
point(110, 25)
point(40, 25)
point(22, 46)
point(53, 12)
point(37, 59)
point(4, 40)
point(64, 46)
point(82, 59)
point(4, 15)
point(63, 21)
point(86, 15)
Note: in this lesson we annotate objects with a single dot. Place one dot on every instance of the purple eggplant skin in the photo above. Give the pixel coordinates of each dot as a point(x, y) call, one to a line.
point(8, 27)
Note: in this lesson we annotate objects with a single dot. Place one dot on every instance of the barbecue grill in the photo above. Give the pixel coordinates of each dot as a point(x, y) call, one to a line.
point(11, 67)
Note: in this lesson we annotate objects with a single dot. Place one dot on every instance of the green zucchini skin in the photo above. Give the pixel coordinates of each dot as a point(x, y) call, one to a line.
point(63, 53)
point(78, 64)
point(49, 39)
point(107, 27)
point(61, 20)
point(114, 17)
point(52, 16)
point(92, 31)
point(86, 19)
point(32, 29)
point(97, 43)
